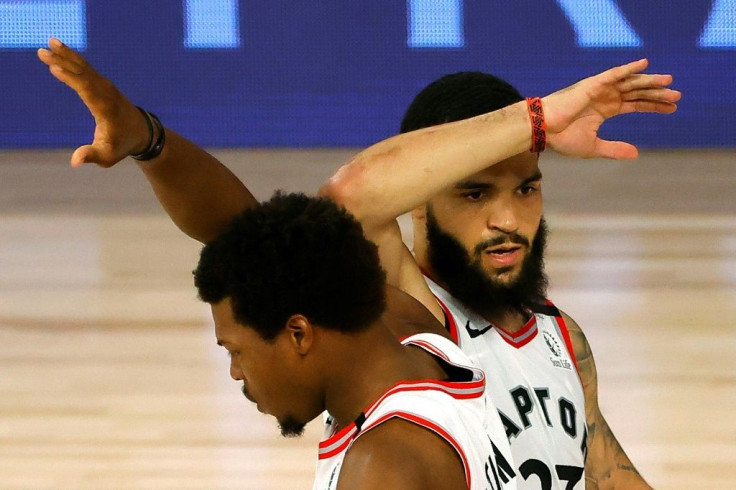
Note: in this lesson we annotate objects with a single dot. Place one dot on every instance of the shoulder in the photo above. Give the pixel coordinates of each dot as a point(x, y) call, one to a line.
point(401, 454)
point(577, 337)
point(583, 355)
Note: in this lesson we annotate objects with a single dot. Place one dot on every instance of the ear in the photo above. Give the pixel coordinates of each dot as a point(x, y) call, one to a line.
point(300, 332)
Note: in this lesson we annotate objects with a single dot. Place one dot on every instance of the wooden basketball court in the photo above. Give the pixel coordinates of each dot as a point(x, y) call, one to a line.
point(110, 377)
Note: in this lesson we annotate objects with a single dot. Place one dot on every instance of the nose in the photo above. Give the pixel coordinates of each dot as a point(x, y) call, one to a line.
point(503, 217)
point(235, 372)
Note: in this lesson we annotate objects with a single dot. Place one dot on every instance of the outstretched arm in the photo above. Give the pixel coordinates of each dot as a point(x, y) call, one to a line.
point(607, 465)
point(197, 191)
point(397, 174)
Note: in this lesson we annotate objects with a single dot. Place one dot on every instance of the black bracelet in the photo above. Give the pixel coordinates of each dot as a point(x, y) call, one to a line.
point(154, 148)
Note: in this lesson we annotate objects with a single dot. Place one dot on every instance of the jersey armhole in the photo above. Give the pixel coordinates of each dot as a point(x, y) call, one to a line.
point(450, 324)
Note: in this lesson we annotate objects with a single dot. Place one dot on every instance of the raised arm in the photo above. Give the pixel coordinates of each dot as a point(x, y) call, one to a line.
point(198, 192)
point(398, 174)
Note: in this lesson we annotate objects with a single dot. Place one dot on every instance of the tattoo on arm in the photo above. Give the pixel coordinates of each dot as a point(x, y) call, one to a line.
point(607, 465)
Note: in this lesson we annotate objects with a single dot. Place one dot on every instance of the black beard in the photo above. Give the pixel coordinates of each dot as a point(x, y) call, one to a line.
point(290, 427)
point(465, 278)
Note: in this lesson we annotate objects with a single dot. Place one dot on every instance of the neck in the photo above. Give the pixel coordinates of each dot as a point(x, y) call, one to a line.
point(370, 363)
point(511, 320)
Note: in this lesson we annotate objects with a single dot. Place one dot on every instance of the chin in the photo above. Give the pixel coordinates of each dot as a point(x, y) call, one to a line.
point(290, 427)
point(505, 277)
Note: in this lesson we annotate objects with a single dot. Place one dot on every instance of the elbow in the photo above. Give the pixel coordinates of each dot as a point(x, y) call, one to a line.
point(343, 189)
point(357, 188)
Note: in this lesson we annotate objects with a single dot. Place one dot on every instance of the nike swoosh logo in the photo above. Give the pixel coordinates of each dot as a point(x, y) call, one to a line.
point(476, 333)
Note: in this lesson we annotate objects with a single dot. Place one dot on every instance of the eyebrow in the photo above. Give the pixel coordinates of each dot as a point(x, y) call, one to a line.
point(537, 176)
point(472, 184)
point(469, 184)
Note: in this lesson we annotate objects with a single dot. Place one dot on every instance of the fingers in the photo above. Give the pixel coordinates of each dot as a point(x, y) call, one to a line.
point(659, 100)
point(660, 107)
point(653, 94)
point(70, 67)
point(640, 81)
point(99, 95)
point(65, 51)
point(64, 76)
point(619, 73)
point(61, 55)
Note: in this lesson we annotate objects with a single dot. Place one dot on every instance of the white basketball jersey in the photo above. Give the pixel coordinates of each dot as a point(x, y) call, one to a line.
point(455, 410)
point(534, 383)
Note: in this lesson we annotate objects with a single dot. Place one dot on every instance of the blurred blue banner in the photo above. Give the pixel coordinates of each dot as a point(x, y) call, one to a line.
point(340, 73)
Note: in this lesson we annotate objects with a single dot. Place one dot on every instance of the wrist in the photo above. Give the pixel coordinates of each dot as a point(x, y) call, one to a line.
point(144, 134)
point(538, 124)
point(157, 137)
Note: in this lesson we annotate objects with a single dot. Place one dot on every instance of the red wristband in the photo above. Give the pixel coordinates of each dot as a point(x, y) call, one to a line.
point(539, 126)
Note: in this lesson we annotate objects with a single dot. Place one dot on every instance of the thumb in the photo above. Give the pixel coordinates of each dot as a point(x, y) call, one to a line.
point(85, 154)
point(617, 150)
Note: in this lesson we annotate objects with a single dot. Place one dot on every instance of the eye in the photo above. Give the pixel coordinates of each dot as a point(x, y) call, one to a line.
point(527, 189)
point(474, 196)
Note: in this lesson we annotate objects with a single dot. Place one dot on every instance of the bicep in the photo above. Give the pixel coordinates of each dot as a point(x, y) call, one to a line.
point(376, 474)
point(585, 363)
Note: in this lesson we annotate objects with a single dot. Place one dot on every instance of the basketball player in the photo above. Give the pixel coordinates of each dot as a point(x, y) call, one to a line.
point(309, 331)
point(305, 336)
point(479, 238)
point(201, 195)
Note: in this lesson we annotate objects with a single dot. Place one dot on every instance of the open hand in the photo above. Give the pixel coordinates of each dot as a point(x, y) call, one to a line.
point(574, 114)
point(120, 128)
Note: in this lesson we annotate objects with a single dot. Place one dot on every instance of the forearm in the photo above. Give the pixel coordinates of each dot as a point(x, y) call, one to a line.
point(200, 194)
point(402, 172)
point(608, 466)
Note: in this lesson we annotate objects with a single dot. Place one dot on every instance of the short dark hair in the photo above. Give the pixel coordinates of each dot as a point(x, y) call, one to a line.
point(294, 255)
point(458, 96)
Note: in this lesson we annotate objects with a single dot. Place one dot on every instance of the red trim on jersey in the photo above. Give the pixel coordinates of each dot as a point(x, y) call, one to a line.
point(430, 426)
point(566, 336)
point(347, 434)
point(343, 438)
point(460, 390)
point(452, 327)
point(428, 347)
point(521, 337)
point(468, 389)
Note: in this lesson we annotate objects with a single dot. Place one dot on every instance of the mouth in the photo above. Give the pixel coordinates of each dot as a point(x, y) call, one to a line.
point(247, 395)
point(505, 255)
point(253, 401)
point(503, 248)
